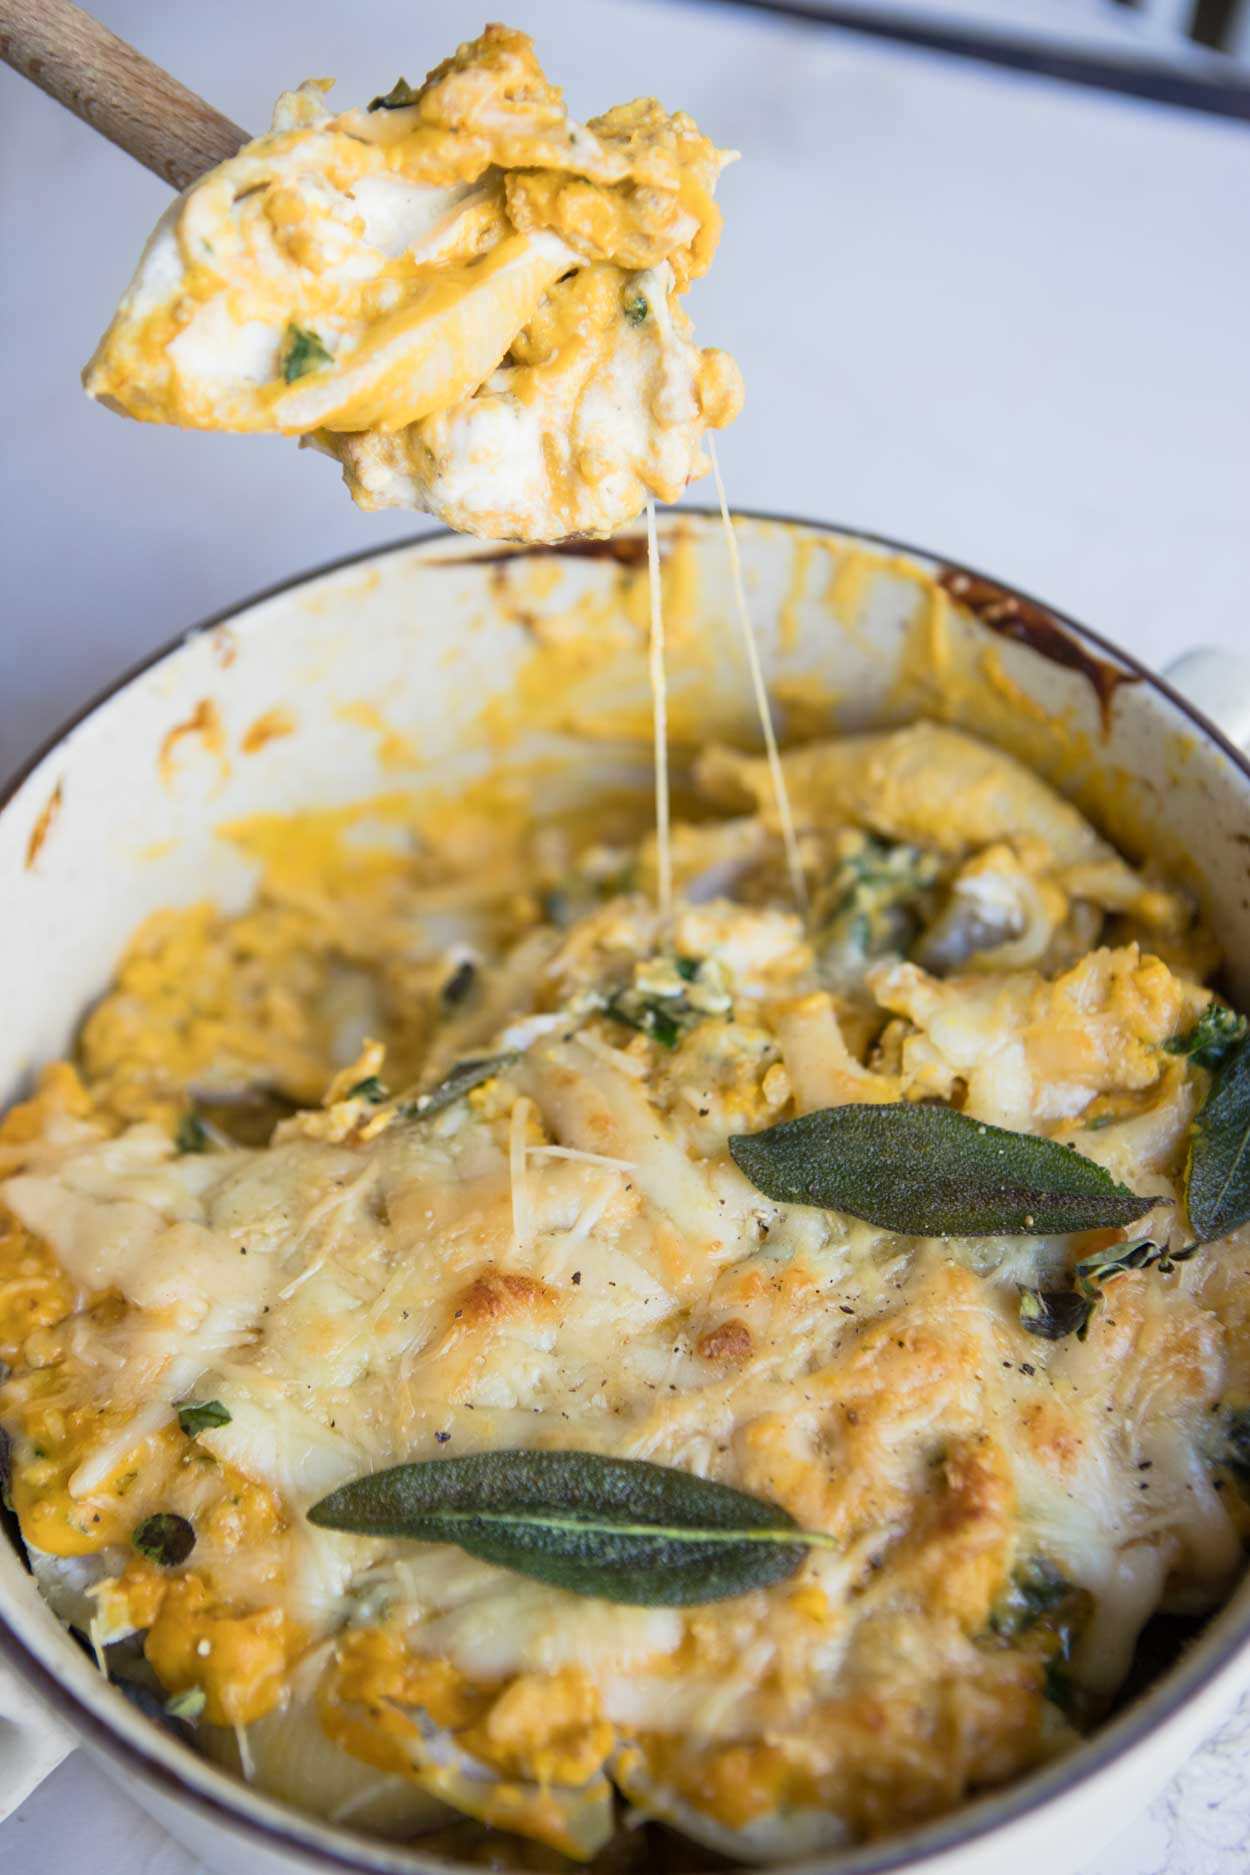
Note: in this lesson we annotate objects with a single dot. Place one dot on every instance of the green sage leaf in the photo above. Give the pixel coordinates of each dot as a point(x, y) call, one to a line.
point(371, 1089)
point(200, 1415)
point(928, 1171)
point(617, 1528)
point(165, 1538)
point(1217, 1177)
point(463, 1078)
point(302, 352)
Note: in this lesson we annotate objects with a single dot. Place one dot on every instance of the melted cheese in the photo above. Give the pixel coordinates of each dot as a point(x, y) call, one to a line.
point(465, 296)
point(568, 1257)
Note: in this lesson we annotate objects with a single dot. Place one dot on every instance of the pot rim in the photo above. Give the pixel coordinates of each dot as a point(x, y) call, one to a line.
point(331, 1846)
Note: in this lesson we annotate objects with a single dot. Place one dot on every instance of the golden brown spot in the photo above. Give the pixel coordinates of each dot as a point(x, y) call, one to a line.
point(728, 1341)
point(270, 727)
point(496, 1294)
point(204, 722)
point(1052, 1435)
point(43, 825)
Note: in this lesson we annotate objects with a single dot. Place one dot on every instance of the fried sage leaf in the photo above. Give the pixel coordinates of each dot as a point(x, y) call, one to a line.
point(1120, 1259)
point(1217, 1178)
point(617, 1528)
point(931, 1172)
point(463, 1078)
point(1054, 1313)
point(400, 94)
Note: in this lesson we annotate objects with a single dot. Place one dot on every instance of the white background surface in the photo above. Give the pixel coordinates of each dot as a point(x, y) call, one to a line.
point(974, 310)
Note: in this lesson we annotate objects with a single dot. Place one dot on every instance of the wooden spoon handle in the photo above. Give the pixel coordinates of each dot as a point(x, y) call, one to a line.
point(132, 102)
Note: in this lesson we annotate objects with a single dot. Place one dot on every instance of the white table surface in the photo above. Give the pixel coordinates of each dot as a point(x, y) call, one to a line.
point(974, 310)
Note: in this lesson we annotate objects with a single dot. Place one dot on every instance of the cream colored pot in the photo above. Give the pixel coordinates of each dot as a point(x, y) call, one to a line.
point(426, 665)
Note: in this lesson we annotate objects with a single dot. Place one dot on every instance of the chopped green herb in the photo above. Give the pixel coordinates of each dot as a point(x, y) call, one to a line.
point(1063, 1690)
point(1213, 1037)
point(303, 352)
point(200, 1415)
point(400, 94)
point(165, 1538)
point(687, 968)
point(192, 1134)
point(1054, 1313)
point(1035, 1591)
point(1040, 1600)
point(635, 305)
point(649, 1015)
point(663, 1018)
point(370, 1089)
point(870, 907)
point(188, 1705)
point(462, 1079)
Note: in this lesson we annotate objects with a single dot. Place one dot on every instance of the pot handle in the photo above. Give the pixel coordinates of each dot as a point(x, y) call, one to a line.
point(32, 1743)
point(1218, 682)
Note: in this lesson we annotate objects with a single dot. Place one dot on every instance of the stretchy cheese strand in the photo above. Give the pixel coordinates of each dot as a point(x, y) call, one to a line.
point(659, 720)
point(780, 791)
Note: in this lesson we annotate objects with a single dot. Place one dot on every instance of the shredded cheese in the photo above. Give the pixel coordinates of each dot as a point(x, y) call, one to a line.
point(585, 1158)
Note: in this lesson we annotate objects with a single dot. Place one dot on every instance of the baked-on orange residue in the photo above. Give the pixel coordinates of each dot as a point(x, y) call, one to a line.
point(269, 727)
point(204, 722)
point(43, 825)
point(394, 748)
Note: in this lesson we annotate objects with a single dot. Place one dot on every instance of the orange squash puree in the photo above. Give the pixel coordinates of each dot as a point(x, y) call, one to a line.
point(59, 1436)
point(544, 1728)
point(240, 1660)
point(35, 1292)
point(373, 1676)
point(60, 1091)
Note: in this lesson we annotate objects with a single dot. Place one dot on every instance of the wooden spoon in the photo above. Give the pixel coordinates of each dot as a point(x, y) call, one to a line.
point(135, 104)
